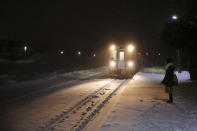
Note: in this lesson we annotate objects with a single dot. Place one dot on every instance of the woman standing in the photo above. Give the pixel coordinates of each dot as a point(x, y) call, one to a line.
point(169, 80)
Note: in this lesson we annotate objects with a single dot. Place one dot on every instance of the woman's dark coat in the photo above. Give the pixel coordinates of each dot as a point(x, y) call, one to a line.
point(169, 77)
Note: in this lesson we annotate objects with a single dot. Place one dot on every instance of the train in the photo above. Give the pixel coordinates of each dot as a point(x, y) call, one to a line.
point(122, 61)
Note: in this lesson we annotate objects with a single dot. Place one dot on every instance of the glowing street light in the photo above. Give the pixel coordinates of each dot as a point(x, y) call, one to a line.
point(62, 52)
point(174, 17)
point(94, 55)
point(79, 53)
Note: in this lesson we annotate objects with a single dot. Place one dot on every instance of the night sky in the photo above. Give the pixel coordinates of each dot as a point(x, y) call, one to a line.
point(84, 24)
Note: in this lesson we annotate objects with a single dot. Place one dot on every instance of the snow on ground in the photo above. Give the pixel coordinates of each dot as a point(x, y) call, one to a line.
point(29, 104)
point(29, 114)
point(95, 72)
point(50, 81)
point(6, 79)
point(142, 106)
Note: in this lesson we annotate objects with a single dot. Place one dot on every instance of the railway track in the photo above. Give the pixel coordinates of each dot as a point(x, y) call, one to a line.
point(78, 116)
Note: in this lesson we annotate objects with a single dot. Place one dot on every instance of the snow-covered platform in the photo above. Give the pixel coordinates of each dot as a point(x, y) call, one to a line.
point(142, 106)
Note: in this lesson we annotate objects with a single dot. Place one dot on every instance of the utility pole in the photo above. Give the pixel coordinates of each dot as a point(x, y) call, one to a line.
point(179, 60)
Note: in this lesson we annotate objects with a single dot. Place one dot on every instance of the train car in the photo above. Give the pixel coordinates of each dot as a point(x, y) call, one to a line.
point(122, 60)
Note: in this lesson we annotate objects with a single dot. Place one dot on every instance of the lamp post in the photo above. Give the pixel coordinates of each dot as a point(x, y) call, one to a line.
point(132, 49)
point(175, 18)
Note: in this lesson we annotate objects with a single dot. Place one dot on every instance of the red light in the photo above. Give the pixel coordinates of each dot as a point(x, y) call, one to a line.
point(147, 53)
point(139, 53)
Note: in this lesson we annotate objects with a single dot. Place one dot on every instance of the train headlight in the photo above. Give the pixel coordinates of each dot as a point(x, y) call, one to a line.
point(112, 64)
point(130, 64)
point(113, 47)
point(130, 48)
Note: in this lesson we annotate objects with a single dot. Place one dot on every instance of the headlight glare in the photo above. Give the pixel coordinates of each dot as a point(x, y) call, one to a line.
point(130, 64)
point(112, 64)
point(130, 48)
point(113, 47)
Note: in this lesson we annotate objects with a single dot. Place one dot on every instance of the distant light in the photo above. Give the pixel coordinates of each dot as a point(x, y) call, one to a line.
point(174, 17)
point(79, 53)
point(25, 48)
point(147, 53)
point(159, 53)
point(139, 53)
point(94, 55)
point(62, 52)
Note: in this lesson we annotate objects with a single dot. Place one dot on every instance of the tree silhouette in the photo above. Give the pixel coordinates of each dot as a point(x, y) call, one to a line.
point(182, 34)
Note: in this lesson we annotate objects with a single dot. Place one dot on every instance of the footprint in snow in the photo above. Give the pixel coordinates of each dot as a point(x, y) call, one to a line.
point(116, 124)
point(102, 93)
point(83, 113)
point(61, 121)
point(89, 108)
point(106, 125)
point(93, 104)
point(95, 96)
point(52, 128)
point(107, 89)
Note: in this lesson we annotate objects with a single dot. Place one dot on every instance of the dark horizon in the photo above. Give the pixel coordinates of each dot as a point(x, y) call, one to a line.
point(85, 25)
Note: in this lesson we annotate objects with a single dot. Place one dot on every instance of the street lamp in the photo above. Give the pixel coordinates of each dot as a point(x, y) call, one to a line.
point(62, 52)
point(79, 53)
point(174, 17)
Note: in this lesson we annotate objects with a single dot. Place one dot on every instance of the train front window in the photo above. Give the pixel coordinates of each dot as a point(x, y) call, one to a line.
point(121, 57)
point(113, 55)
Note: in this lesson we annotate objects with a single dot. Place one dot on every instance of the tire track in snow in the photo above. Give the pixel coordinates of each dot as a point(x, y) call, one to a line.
point(91, 116)
point(65, 114)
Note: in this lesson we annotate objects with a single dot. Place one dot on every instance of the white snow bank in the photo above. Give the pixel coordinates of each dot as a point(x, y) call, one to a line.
point(87, 73)
point(147, 76)
point(183, 76)
point(154, 69)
